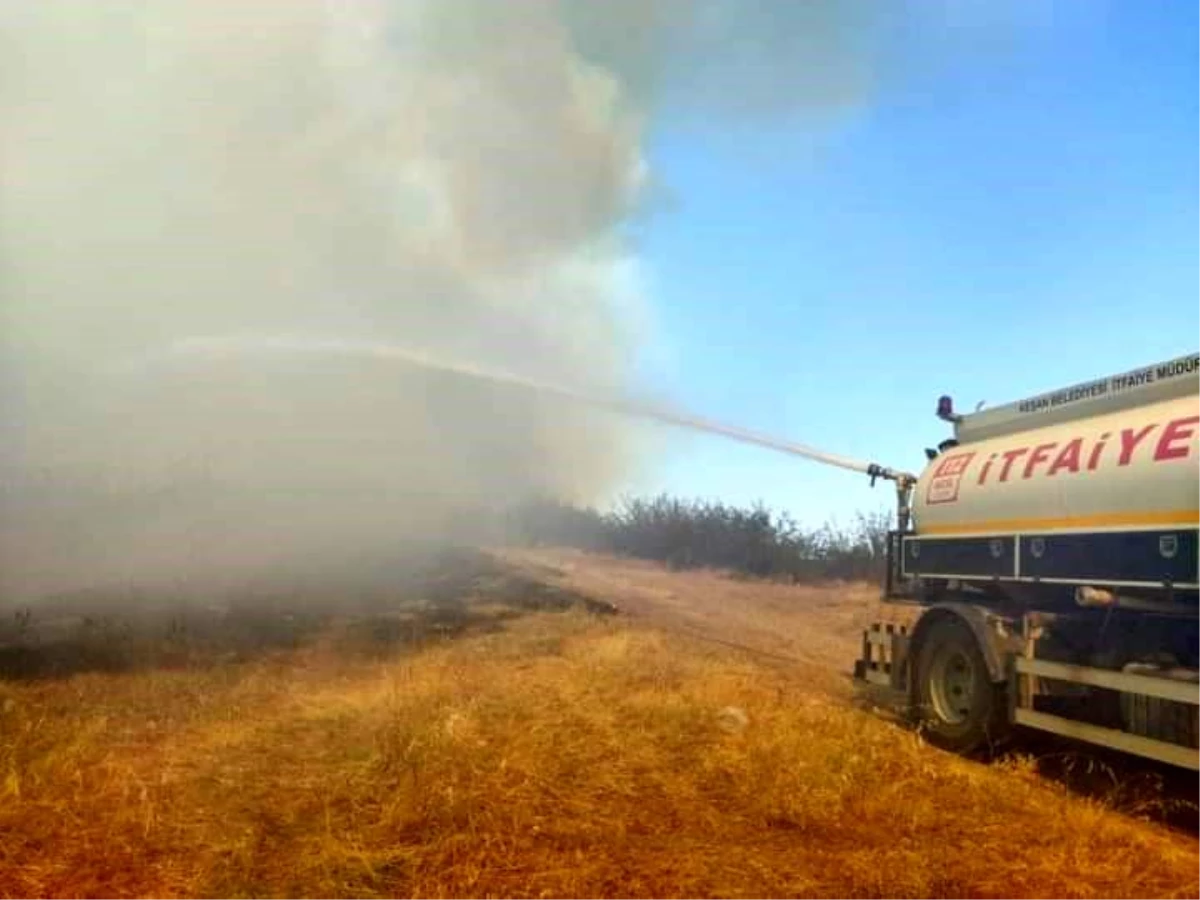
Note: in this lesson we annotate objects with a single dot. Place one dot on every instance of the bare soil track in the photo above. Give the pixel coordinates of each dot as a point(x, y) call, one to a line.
point(486, 728)
point(815, 629)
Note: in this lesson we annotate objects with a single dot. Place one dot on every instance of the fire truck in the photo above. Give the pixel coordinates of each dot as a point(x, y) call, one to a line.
point(1044, 571)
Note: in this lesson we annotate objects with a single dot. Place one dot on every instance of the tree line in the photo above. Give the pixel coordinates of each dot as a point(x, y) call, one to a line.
point(684, 534)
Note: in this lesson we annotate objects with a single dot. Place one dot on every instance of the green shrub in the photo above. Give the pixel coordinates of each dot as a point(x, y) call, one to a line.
point(696, 533)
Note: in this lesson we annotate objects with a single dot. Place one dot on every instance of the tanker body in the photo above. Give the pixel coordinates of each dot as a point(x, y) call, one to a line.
point(1046, 566)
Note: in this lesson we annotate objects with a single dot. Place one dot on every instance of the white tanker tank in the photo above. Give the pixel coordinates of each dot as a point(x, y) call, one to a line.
point(1097, 485)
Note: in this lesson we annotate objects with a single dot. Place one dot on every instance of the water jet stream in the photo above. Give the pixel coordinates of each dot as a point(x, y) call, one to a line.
point(217, 346)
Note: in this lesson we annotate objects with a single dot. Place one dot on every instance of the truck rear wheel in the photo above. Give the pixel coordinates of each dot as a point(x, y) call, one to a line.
point(960, 707)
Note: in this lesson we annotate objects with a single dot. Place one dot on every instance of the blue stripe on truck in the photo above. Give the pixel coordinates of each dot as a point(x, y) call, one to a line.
point(968, 556)
point(1146, 557)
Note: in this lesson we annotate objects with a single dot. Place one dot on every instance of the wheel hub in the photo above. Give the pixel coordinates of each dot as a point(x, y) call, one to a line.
point(952, 686)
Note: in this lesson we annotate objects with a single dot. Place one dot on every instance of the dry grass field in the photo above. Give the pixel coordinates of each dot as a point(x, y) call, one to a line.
point(487, 732)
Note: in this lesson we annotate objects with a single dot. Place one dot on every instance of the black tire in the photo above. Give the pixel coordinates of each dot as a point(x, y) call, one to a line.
point(958, 705)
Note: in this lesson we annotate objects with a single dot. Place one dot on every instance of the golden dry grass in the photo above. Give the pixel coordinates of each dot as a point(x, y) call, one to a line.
point(562, 755)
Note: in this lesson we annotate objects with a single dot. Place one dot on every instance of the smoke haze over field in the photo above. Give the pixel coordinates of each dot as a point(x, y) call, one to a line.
point(449, 176)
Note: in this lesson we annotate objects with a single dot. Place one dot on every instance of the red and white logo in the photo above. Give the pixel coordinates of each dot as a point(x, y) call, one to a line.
point(943, 486)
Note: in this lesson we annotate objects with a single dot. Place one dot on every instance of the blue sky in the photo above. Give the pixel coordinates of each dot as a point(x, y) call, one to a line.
point(991, 226)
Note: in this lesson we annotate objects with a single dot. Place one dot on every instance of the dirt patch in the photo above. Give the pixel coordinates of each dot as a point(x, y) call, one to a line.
point(816, 628)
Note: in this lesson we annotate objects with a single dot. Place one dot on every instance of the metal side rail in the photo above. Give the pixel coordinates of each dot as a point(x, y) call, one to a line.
point(1025, 669)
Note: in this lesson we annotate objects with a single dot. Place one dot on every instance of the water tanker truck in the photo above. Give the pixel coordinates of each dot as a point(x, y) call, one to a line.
point(1045, 562)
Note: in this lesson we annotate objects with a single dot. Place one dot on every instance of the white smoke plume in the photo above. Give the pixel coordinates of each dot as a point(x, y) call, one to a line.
point(448, 175)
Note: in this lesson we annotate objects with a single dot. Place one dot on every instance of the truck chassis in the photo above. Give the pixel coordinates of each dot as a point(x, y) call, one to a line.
point(978, 657)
